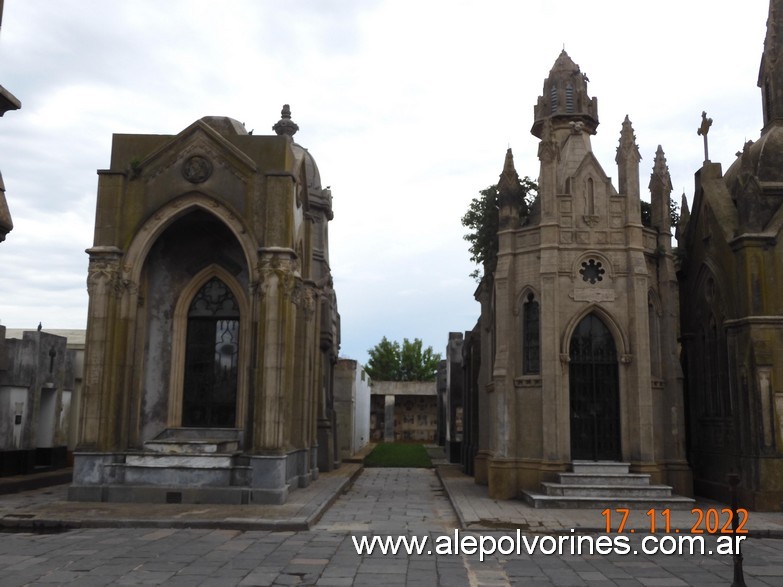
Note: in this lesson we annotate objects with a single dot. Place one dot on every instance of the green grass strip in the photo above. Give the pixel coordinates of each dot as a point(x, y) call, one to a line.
point(398, 455)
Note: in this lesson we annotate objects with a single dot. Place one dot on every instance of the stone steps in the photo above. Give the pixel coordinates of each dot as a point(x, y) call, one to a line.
point(186, 456)
point(604, 484)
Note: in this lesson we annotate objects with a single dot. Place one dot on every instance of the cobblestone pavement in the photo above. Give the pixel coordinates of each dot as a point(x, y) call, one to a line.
point(382, 502)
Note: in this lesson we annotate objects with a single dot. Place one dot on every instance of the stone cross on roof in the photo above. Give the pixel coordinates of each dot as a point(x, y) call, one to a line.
point(706, 123)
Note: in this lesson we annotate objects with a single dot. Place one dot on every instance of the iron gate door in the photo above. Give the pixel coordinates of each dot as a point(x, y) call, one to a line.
point(594, 392)
point(211, 357)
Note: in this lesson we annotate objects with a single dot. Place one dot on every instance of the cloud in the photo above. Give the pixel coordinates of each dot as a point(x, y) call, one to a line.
point(407, 106)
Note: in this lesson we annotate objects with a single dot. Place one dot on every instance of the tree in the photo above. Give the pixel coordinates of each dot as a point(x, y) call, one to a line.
point(384, 363)
point(481, 220)
point(415, 364)
point(390, 361)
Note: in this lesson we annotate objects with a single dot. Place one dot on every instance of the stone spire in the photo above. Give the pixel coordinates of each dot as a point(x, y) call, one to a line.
point(565, 100)
point(627, 160)
point(660, 192)
point(771, 70)
point(509, 193)
point(285, 126)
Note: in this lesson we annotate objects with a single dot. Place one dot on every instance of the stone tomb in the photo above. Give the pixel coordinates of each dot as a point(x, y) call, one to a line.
point(212, 327)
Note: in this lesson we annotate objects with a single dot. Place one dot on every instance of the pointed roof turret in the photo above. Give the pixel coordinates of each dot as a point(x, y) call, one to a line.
point(771, 69)
point(564, 99)
point(509, 179)
point(510, 196)
point(628, 144)
point(660, 173)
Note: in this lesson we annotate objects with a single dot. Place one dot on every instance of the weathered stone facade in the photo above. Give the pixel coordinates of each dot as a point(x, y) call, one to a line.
point(38, 376)
point(731, 278)
point(579, 317)
point(212, 322)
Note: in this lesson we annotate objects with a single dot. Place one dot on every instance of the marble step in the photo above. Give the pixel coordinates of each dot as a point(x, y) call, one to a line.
point(613, 491)
point(182, 461)
point(627, 479)
point(192, 446)
point(600, 467)
point(539, 500)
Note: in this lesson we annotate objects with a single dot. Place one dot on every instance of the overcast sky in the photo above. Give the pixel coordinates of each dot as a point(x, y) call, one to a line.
point(407, 106)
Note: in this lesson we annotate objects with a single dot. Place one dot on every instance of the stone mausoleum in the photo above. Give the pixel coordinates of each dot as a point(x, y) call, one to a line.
point(578, 351)
point(212, 328)
point(731, 280)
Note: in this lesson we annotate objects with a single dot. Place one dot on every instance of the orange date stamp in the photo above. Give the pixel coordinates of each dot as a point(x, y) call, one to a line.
point(709, 521)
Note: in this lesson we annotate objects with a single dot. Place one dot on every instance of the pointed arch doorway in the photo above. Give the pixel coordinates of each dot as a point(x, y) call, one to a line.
point(594, 392)
point(209, 396)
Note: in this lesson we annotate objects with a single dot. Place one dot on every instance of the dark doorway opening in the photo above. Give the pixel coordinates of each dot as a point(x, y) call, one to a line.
point(594, 392)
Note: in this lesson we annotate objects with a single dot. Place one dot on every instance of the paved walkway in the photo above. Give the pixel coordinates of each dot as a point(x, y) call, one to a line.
point(381, 503)
point(176, 544)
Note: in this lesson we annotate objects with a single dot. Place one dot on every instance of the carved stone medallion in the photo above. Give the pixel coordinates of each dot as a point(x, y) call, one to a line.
point(197, 169)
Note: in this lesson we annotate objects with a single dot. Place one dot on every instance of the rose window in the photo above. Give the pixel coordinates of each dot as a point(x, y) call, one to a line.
point(592, 271)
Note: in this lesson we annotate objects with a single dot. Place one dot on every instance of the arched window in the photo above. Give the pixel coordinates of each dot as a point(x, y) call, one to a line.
point(212, 350)
point(531, 330)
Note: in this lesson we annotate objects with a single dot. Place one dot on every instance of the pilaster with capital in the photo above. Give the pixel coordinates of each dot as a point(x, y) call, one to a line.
point(278, 288)
point(99, 396)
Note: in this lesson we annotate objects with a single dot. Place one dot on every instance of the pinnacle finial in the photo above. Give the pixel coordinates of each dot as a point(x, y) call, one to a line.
point(285, 126)
point(510, 196)
point(627, 145)
point(509, 179)
point(660, 168)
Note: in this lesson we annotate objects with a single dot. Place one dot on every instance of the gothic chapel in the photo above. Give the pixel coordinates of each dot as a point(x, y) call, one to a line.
point(579, 350)
point(212, 328)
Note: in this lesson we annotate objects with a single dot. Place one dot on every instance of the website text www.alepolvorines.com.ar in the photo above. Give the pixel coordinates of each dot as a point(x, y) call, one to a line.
point(519, 543)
